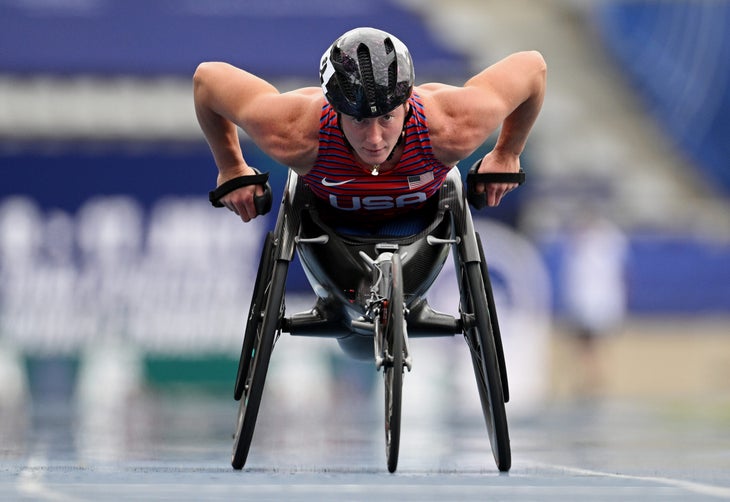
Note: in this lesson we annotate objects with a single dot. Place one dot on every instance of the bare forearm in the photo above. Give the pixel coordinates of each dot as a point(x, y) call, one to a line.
point(518, 124)
point(222, 138)
point(220, 133)
point(220, 93)
point(515, 89)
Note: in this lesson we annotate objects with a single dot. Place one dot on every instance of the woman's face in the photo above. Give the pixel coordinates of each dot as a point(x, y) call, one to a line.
point(373, 139)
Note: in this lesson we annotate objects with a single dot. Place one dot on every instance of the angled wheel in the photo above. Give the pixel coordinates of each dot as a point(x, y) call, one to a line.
point(258, 344)
point(255, 311)
point(480, 338)
point(394, 329)
point(494, 321)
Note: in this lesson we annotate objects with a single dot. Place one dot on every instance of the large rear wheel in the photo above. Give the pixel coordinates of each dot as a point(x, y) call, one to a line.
point(255, 311)
point(480, 338)
point(494, 321)
point(258, 345)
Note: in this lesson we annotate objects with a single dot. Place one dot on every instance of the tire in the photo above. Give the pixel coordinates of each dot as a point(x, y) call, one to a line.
point(263, 278)
point(394, 329)
point(494, 320)
point(480, 338)
point(260, 338)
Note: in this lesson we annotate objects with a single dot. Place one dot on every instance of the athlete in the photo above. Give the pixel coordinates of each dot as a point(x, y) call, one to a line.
point(369, 143)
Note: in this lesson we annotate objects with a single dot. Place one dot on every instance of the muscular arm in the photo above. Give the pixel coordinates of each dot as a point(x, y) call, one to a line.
point(507, 94)
point(512, 92)
point(284, 126)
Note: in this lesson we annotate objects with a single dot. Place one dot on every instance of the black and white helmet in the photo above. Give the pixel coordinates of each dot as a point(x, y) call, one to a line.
point(366, 73)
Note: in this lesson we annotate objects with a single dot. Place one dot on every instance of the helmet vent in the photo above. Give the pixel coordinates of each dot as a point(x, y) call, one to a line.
point(392, 76)
point(366, 73)
point(346, 87)
point(344, 83)
point(392, 67)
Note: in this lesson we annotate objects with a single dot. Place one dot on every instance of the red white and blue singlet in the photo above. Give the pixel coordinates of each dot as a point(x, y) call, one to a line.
point(341, 182)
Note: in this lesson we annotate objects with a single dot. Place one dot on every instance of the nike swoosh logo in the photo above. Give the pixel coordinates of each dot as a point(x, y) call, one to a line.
point(335, 183)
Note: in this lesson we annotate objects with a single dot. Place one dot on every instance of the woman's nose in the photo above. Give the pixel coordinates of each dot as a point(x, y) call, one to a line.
point(373, 134)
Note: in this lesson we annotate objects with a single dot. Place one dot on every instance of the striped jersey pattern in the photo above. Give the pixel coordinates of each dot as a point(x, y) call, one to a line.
point(338, 179)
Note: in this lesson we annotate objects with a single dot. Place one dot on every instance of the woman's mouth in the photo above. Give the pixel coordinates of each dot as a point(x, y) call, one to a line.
point(374, 153)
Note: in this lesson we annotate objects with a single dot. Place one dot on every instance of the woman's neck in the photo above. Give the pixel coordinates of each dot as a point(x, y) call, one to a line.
point(383, 167)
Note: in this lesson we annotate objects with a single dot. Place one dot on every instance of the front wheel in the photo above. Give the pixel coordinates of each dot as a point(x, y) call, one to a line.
point(480, 338)
point(394, 329)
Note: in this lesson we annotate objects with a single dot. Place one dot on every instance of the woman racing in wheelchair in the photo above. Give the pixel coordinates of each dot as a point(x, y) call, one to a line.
point(375, 149)
point(370, 144)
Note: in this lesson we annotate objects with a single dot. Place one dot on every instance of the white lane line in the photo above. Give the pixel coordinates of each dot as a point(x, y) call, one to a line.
point(691, 486)
point(30, 482)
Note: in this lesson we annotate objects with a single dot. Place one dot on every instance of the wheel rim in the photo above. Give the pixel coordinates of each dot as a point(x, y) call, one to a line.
point(489, 383)
point(257, 367)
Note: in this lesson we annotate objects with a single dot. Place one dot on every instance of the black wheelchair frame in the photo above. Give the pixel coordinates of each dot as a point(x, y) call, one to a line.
point(355, 304)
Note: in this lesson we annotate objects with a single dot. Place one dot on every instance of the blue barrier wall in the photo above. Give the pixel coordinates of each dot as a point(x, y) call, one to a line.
point(664, 275)
point(677, 55)
point(273, 38)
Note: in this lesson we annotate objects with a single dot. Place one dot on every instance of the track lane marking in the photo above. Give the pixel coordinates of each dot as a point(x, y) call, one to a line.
point(691, 486)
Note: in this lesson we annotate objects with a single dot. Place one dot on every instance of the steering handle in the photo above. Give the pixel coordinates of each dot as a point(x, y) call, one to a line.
point(262, 203)
point(479, 200)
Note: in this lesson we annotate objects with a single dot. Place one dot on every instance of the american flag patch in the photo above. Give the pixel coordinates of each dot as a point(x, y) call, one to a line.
point(419, 180)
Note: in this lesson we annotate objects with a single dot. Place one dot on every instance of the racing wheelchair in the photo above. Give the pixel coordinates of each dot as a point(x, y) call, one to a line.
point(371, 297)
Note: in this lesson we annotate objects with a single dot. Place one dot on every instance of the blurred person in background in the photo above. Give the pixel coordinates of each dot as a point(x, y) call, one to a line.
point(595, 293)
point(369, 143)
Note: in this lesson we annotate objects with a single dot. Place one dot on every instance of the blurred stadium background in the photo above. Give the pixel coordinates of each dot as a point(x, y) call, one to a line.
point(116, 274)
